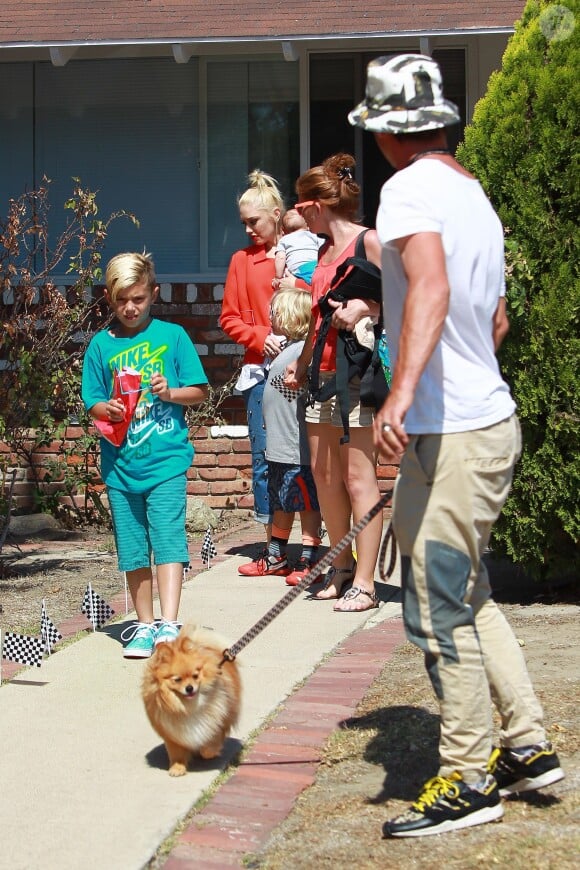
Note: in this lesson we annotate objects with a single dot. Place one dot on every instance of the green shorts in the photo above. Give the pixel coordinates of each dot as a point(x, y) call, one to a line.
point(151, 522)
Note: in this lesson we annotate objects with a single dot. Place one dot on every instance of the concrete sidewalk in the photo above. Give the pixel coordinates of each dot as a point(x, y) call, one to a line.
point(83, 776)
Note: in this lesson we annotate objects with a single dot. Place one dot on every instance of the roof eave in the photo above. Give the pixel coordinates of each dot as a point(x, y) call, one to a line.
point(305, 38)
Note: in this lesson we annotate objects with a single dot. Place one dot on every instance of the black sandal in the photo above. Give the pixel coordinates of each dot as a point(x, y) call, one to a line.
point(340, 587)
point(355, 592)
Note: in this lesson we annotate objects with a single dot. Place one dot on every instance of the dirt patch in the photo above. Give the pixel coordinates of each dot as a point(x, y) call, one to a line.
point(376, 764)
point(57, 566)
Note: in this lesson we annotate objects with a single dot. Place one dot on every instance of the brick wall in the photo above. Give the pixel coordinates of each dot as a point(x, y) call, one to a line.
point(221, 472)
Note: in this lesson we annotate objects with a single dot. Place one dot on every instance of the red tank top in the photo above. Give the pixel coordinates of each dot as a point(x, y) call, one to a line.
point(321, 281)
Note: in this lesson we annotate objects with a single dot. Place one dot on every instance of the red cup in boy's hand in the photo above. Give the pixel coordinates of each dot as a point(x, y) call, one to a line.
point(116, 410)
point(121, 406)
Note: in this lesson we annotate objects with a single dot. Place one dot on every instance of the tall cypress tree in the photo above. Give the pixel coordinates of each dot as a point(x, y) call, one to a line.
point(523, 147)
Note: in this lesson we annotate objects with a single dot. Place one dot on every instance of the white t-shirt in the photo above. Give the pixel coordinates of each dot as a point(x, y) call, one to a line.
point(300, 247)
point(461, 388)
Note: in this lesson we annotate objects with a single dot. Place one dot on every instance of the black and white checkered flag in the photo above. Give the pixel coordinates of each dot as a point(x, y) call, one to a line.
point(48, 631)
point(208, 550)
point(289, 394)
point(96, 608)
point(22, 648)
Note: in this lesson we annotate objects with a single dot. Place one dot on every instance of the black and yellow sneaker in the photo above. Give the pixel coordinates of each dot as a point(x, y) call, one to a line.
point(526, 768)
point(448, 804)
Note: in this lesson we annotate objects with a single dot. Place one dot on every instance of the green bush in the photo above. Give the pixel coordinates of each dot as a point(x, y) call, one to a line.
point(523, 147)
point(43, 334)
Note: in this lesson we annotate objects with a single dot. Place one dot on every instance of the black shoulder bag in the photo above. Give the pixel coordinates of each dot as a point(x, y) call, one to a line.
point(353, 360)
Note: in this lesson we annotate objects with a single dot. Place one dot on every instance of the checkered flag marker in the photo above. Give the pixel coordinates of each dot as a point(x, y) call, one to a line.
point(96, 608)
point(48, 631)
point(289, 394)
point(208, 550)
point(22, 648)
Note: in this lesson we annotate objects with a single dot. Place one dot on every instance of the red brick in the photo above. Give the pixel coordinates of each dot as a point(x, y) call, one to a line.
point(310, 736)
point(217, 445)
point(205, 460)
point(236, 460)
point(231, 487)
point(223, 837)
point(186, 856)
point(218, 474)
point(264, 775)
point(267, 818)
point(197, 487)
point(272, 753)
point(222, 501)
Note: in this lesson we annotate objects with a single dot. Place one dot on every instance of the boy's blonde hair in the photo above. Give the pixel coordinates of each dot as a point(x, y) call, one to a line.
point(127, 269)
point(290, 312)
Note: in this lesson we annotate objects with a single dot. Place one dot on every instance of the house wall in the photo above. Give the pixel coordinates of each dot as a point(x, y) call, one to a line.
point(221, 473)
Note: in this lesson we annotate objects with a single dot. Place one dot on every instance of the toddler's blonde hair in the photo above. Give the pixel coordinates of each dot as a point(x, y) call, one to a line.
point(127, 269)
point(290, 312)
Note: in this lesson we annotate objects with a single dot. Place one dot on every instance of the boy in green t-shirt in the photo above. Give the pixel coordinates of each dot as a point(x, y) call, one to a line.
point(146, 475)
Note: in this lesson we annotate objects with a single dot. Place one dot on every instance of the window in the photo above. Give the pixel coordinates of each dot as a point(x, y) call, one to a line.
point(16, 140)
point(337, 84)
point(151, 139)
point(252, 123)
point(129, 130)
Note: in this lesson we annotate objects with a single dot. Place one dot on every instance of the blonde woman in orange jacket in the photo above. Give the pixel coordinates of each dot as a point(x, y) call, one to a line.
point(245, 317)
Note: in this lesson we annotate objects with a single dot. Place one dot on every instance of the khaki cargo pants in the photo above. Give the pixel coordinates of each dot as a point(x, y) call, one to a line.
point(449, 493)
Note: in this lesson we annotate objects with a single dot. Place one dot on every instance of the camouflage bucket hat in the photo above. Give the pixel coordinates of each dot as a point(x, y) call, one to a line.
point(404, 94)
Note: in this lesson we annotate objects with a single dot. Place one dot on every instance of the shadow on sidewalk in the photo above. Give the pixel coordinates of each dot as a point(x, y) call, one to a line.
point(157, 757)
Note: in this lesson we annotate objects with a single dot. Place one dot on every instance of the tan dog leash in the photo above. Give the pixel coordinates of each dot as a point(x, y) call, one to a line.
point(232, 651)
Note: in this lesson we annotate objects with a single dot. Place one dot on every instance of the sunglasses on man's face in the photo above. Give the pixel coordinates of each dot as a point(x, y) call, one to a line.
point(300, 206)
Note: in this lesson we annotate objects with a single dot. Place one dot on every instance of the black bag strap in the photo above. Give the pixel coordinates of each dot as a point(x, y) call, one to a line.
point(364, 282)
point(314, 378)
point(342, 384)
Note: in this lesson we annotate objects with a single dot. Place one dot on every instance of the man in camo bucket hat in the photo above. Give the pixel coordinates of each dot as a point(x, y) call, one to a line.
point(449, 418)
point(403, 95)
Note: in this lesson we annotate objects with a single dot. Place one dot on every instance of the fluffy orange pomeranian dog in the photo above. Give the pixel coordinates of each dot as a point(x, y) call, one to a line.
point(192, 696)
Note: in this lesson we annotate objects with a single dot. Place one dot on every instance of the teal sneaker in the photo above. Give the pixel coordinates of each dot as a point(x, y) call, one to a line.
point(166, 631)
point(141, 637)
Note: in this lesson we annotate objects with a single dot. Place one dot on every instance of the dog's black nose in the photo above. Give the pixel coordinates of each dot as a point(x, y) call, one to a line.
point(189, 689)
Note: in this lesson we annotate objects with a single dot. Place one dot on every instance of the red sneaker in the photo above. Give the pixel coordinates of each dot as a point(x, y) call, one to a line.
point(299, 573)
point(265, 565)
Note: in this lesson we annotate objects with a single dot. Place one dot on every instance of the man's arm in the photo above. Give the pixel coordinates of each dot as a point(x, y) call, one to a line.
point(424, 312)
point(500, 324)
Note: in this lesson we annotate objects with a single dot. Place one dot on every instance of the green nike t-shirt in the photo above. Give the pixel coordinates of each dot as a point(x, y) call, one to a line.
point(156, 447)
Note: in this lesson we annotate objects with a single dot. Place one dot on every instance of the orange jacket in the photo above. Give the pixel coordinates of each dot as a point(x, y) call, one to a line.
point(245, 315)
point(248, 290)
